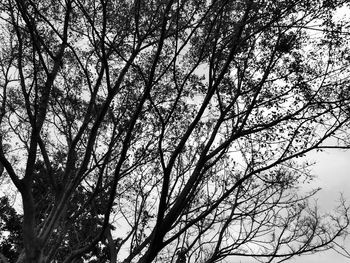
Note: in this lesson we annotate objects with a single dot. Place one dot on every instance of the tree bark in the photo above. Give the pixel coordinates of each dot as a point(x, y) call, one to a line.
point(32, 246)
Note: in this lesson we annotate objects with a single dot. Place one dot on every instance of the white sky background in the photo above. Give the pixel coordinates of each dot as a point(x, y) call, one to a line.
point(332, 172)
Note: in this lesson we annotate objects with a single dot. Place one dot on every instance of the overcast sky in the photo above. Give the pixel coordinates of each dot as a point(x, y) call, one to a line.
point(333, 176)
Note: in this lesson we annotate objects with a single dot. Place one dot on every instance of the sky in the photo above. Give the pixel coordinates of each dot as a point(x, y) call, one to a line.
point(332, 172)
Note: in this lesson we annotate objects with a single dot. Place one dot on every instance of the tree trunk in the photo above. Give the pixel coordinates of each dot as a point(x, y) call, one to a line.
point(32, 244)
point(21, 257)
point(33, 257)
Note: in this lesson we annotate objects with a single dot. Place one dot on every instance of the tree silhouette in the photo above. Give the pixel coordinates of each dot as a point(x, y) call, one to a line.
point(10, 223)
point(157, 131)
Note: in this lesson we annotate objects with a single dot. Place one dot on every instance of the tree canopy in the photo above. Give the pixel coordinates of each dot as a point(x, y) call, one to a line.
point(170, 130)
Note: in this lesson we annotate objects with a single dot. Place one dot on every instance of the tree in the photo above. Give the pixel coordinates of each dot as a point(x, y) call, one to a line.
point(170, 130)
point(10, 223)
